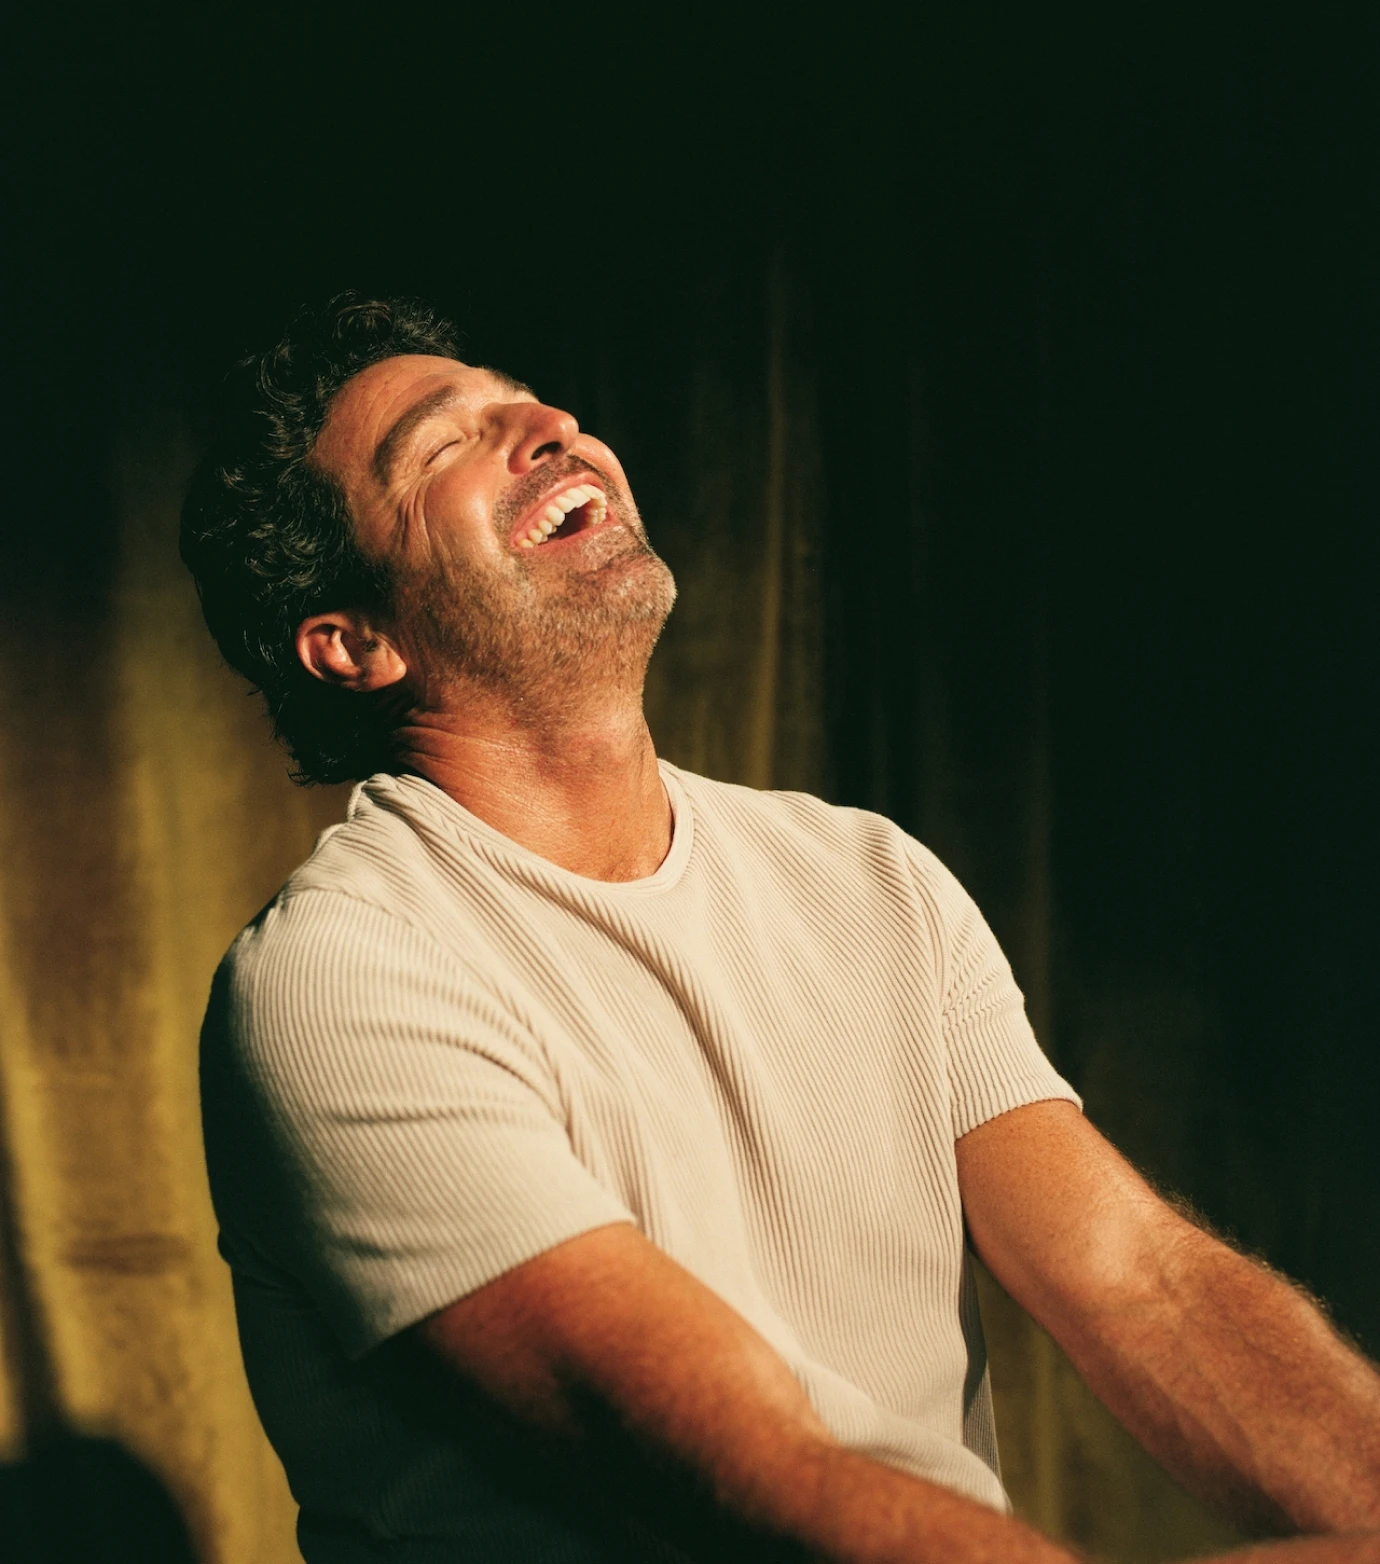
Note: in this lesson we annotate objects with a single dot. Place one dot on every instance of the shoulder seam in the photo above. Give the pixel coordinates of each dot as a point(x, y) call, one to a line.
point(292, 893)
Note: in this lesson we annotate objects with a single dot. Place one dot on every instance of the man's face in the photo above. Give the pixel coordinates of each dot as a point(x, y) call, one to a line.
point(514, 544)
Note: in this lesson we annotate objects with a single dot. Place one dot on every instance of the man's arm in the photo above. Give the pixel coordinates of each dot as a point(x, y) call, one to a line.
point(605, 1333)
point(1226, 1373)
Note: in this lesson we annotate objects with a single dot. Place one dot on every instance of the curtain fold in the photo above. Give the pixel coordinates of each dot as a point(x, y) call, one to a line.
point(146, 817)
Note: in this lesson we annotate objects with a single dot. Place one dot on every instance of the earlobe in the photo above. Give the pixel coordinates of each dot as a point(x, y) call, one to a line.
point(344, 649)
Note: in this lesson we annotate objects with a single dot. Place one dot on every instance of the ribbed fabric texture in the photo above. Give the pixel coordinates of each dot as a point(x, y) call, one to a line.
point(435, 1055)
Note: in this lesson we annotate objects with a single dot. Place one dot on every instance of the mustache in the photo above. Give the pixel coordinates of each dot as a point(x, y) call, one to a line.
point(529, 489)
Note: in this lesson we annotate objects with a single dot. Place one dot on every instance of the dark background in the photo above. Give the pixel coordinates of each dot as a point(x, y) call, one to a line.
point(1086, 311)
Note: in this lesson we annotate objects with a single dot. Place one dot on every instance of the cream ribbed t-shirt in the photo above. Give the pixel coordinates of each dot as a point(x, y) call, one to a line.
point(435, 1054)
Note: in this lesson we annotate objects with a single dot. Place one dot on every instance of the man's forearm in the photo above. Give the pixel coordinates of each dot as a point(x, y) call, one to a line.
point(1359, 1548)
point(794, 1501)
point(1229, 1376)
point(838, 1507)
point(1233, 1380)
point(605, 1342)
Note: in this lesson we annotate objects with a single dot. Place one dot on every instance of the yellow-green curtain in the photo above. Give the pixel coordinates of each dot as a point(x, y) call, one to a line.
point(146, 817)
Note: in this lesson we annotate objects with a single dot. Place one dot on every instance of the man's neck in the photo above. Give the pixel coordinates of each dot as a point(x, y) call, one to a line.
point(580, 787)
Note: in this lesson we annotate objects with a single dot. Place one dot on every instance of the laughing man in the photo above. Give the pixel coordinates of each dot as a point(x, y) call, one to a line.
point(596, 1147)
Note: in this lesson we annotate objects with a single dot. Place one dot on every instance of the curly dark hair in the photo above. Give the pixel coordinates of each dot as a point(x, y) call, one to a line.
point(269, 539)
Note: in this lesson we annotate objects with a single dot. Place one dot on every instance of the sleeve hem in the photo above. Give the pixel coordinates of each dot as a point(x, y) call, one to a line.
point(1012, 1093)
point(448, 1280)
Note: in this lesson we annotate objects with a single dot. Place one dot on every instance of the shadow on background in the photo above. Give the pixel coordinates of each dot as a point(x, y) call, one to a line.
point(77, 1498)
point(72, 1498)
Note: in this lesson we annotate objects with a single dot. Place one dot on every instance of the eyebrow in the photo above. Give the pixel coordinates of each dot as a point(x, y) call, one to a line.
point(386, 454)
point(390, 447)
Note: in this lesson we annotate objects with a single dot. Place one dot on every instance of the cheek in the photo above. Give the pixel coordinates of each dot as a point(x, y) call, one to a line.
point(453, 511)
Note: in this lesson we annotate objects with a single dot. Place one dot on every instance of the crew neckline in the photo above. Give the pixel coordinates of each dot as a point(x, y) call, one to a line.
point(428, 806)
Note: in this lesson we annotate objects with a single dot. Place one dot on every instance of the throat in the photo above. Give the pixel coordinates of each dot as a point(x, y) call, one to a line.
point(592, 803)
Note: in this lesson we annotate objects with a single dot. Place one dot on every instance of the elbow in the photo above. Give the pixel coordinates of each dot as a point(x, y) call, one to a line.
point(1126, 1280)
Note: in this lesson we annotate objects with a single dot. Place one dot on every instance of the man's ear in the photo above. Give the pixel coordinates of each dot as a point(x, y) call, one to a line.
point(345, 649)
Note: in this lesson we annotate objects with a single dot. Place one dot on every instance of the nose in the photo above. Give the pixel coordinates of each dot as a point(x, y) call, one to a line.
point(541, 432)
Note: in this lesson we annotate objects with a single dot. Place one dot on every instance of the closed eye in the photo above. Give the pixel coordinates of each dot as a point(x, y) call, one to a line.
point(438, 451)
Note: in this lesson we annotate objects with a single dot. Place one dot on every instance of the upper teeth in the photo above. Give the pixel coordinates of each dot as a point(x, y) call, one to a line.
point(559, 507)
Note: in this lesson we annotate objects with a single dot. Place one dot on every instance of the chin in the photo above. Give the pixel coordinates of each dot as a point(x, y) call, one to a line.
point(647, 588)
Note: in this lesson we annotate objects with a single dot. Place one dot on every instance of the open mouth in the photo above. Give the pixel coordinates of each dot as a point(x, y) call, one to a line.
point(573, 510)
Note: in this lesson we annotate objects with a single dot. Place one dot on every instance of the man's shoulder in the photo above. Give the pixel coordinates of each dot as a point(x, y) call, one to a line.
point(399, 849)
point(737, 800)
point(369, 881)
point(802, 829)
point(370, 855)
point(784, 814)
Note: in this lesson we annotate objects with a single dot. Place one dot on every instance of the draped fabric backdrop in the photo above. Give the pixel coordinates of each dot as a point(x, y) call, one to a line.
point(1006, 415)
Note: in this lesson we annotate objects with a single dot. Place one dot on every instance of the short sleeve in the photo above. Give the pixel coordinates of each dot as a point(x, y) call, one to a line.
point(994, 1061)
point(376, 1122)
